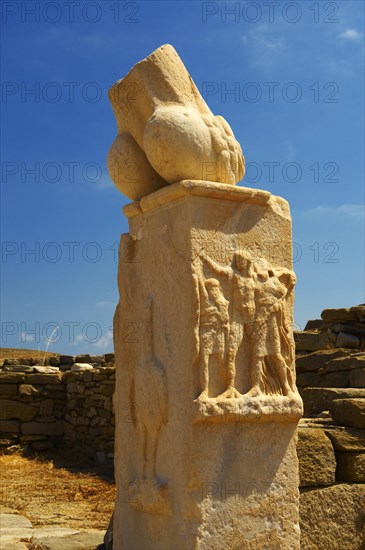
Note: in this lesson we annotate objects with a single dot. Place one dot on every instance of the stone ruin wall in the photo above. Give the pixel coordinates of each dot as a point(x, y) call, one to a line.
point(68, 403)
point(330, 367)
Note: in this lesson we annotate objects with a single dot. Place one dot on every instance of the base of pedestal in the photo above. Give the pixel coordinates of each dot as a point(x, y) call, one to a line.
point(248, 409)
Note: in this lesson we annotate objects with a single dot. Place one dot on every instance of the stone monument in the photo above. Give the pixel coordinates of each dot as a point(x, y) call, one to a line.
point(206, 403)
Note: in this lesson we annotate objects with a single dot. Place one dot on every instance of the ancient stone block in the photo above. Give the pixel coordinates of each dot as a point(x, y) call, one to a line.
point(313, 324)
point(349, 412)
point(8, 389)
point(46, 407)
point(18, 368)
point(332, 517)
point(347, 439)
point(349, 362)
point(356, 329)
point(65, 368)
point(99, 375)
point(67, 359)
point(351, 466)
point(53, 361)
point(107, 389)
point(318, 359)
point(55, 378)
point(317, 462)
point(88, 376)
point(28, 389)
point(109, 371)
point(43, 428)
point(11, 377)
point(11, 361)
point(317, 400)
point(86, 358)
point(357, 378)
point(345, 340)
point(9, 426)
point(42, 369)
point(356, 313)
point(81, 367)
point(91, 412)
point(30, 438)
point(16, 410)
point(312, 341)
point(43, 445)
point(72, 387)
point(82, 421)
point(54, 392)
point(339, 379)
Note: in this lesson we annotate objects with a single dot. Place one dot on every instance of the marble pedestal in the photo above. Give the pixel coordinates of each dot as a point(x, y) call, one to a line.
point(206, 403)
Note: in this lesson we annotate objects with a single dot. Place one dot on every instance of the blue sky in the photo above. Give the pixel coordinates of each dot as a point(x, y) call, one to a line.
point(295, 70)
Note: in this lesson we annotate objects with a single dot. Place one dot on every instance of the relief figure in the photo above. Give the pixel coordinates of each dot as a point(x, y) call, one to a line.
point(271, 349)
point(242, 311)
point(151, 408)
point(214, 329)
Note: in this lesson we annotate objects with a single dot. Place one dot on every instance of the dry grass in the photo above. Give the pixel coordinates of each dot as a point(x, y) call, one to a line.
point(48, 493)
point(19, 353)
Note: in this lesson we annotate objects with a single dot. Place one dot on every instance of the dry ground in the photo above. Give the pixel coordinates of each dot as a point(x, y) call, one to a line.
point(58, 491)
point(55, 489)
point(20, 353)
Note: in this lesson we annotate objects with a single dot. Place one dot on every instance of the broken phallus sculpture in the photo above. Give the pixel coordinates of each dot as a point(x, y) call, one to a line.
point(166, 131)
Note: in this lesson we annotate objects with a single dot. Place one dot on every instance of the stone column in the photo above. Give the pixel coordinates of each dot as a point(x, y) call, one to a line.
point(206, 403)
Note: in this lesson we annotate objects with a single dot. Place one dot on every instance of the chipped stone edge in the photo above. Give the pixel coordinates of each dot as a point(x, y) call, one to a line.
point(205, 189)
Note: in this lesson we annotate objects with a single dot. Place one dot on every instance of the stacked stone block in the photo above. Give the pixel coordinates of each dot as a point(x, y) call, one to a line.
point(32, 406)
point(89, 411)
point(66, 402)
point(330, 364)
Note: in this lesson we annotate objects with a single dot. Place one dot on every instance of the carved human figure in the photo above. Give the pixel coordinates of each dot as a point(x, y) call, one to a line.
point(166, 131)
point(271, 348)
point(151, 399)
point(242, 310)
point(214, 329)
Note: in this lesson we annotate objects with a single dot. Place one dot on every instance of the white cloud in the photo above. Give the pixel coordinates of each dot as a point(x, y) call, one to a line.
point(27, 337)
point(353, 210)
point(339, 66)
point(105, 341)
point(350, 210)
point(104, 303)
point(290, 151)
point(104, 184)
point(264, 47)
point(351, 34)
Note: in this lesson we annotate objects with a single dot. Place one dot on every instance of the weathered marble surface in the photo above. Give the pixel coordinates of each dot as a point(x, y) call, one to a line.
point(166, 131)
point(206, 403)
